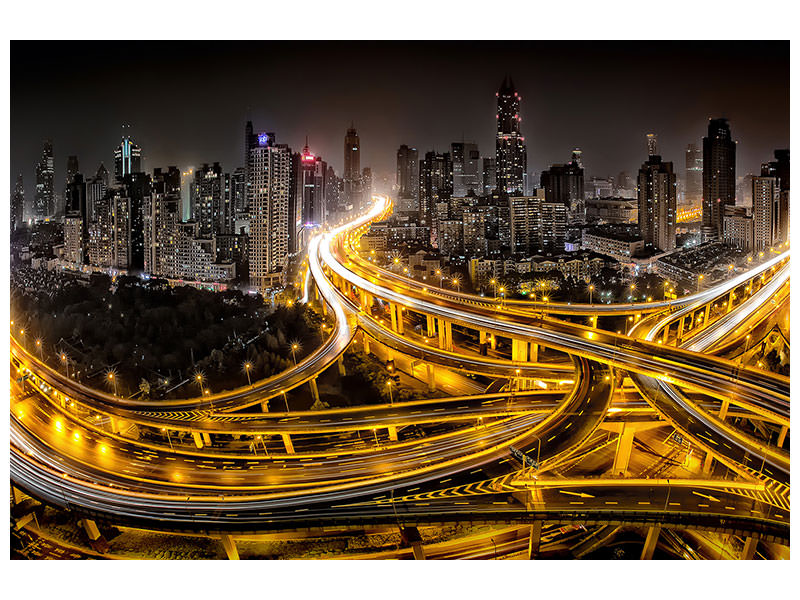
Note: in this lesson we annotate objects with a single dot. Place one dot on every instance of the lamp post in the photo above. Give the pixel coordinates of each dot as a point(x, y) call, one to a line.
point(66, 363)
point(591, 291)
point(389, 385)
point(295, 346)
point(199, 379)
point(494, 283)
point(39, 346)
point(114, 380)
point(247, 366)
point(285, 400)
point(699, 279)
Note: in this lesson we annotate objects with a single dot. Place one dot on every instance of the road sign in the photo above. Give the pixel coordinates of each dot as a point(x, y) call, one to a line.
point(526, 460)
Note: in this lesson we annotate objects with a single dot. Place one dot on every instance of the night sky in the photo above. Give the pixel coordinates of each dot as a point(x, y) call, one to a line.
point(187, 102)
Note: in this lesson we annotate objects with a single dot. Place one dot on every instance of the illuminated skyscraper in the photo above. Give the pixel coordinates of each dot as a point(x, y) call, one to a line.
point(211, 200)
point(466, 168)
point(161, 215)
point(44, 201)
point(76, 223)
point(766, 212)
point(407, 179)
point(270, 193)
point(719, 177)
point(564, 183)
point(312, 201)
point(435, 187)
point(652, 144)
point(17, 204)
point(489, 175)
point(352, 169)
point(512, 159)
point(127, 159)
point(694, 175)
point(657, 203)
point(72, 170)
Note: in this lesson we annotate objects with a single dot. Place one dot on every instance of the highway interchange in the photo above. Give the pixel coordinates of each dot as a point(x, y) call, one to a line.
point(220, 464)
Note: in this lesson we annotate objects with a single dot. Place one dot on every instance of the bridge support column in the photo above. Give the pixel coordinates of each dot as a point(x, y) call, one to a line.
point(340, 364)
point(399, 310)
point(723, 412)
point(90, 527)
point(535, 539)
point(730, 302)
point(708, 463)
point(393, 433)
point(665, 335)
point(650, 542)
point(393, 313)
point(445, 335)
point(749, 550)
point(287, 443)
point(519, 351)
point(493, 342)
point(410, 536)
point(230, 547)
point(624, 447)
point(782, 435)
point(206, 439)
point(265, 406)
point(198, 440)
point(312, 383)
point(483, 337)
point(430, 322)
point(365, 342)
point(431, 377)
point(534, 352)
point(707, 314)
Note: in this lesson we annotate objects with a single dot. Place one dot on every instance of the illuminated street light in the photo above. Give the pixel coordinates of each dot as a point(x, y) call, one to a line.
point(591, 291)
point(199, 379)
point(113, 379)
point(247, 367)
point(295, 348)
point(389, 385)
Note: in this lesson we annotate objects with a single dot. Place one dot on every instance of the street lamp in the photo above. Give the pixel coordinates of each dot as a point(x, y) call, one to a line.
point(494, 283)
point(295, 347)
point(389, 385)
point(199, 378)
point(699, 279)
point(247, 367)
point(39, 345)
point(114, 380)
point(285, 400)
point(591, 291)
point(66, 363)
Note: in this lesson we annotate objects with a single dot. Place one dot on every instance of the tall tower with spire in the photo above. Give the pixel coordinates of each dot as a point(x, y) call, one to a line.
point(512, 157)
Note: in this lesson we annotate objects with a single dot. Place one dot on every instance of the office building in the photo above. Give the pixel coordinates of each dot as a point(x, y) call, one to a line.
point(44, 200)
point(435, 186)
point(738, 228)
point(407, 179)
point(466, 168)
point(127, 159)
point(693, 186)
point(652, 144)
point(511, 155)
point(352, 169)
point(767, 228)
point(719, 177)
point(17, 204)
point(489, 175)
point(211, 201)
point(564, 183)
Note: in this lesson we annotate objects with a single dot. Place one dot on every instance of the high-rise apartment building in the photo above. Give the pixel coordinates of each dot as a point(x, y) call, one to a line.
point(160, 217)
point(352, 169)
point(537, 224)
point(766, 212)
point(466, 168)
point(435, 187)
point(270, 193)
point(511, 155)
point(693, 188)
point(76, 222)
point(44, 200)
point(127, 159)
point(719, 177)
point(95, 189)
point(652, 144)
point(738, 228)
point(779, 168)
point(489, 175)
point(211, 200)
point(657, 203)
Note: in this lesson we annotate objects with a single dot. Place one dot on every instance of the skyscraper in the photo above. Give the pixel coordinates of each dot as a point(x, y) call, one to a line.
point(435, 186)
point(694, 175)
point(72, 170)
point(466, 168)
point(211, 201)
point(160, 216)
point(766, 211)
point(652, 144)
point(95, 190)
point(76, 223)
point(719, 176)
point(407, 179)
point(352, 169)
point(17, 204)
point(489, 175)
point(311, 190)
point(138, 187)
point(779, 168)
point(657, 203)
point(44, 201)
point(270, 183)
point(512, 159)
point(127, 159)
point(564, 183)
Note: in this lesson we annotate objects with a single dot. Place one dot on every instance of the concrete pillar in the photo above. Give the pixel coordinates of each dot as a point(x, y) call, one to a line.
point(493, 342)
point(723, 412)
point(442, 335)
point(198, 440)
point(418, 550)
point(624, 447)
point(230, 547)
point(287, 443)
point(365, 341)
point(393, 433)
point(519, 350)
point(431, 325)
point(650, 542)
point(535, 539)
point(707, 313)
point(665, 335)
point(483, 337)
point(708, 463)
point(207, 439)
point(730, 301)
point(782, 435)
point(749, 550)
point(393, 313)
point(90, 527)
point(400, 310)
point(448, 334)
point(534, 352)
point(312, 383)
point(340, 364)
point(265, 406)
point(431, 377)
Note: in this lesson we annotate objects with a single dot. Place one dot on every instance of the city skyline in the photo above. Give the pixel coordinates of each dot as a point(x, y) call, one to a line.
point(592, 101)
